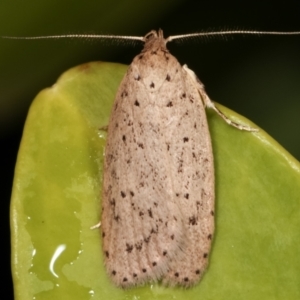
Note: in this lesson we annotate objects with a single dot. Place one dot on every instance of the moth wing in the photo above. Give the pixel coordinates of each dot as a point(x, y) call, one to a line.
point(141, 222)
point(194, 186)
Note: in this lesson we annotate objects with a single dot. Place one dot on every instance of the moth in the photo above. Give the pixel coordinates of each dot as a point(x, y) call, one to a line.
point(158, 192)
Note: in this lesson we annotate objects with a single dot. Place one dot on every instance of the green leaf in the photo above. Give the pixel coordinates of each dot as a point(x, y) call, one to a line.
point(56, 199)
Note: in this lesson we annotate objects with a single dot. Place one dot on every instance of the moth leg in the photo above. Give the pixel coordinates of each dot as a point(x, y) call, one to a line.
point(210, 104)
point(98, 225)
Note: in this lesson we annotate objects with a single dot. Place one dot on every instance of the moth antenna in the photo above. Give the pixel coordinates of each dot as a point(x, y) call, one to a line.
point(75, 36)
point(230, 32)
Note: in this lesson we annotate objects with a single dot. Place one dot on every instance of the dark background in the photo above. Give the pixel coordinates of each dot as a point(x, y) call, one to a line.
point(259, 77)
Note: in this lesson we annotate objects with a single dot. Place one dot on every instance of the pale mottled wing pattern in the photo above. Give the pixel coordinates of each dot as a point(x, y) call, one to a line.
point(194, 190)
point(158, 175)
point(141, 220)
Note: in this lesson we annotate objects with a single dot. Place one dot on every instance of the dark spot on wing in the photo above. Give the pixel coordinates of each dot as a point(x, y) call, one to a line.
point(139, 246)
point(124, 94)
point(112, 202)
point(193, 220)
point(129, 248)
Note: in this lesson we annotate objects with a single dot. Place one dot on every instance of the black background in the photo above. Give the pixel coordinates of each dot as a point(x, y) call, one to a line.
point(259, 77)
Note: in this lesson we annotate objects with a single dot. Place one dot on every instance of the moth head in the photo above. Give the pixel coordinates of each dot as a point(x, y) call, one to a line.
point(154, 39)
